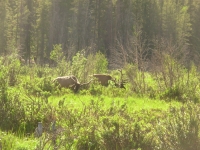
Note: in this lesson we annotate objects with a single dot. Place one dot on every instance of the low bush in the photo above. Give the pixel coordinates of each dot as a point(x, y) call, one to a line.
point(87, 120)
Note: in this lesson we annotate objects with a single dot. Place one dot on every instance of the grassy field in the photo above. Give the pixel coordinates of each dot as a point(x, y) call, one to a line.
point(156, 111)
point(133, 103)
point(89, 112)
point(134, 106)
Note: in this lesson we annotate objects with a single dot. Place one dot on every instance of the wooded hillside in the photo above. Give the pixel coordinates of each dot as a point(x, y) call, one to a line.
point(126, 31)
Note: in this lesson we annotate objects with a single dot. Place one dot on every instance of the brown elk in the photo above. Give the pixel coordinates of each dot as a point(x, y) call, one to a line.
point(104, 79)
point(70, 82)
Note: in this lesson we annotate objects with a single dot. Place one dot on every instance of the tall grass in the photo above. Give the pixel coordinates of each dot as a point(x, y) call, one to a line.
point(155, 111)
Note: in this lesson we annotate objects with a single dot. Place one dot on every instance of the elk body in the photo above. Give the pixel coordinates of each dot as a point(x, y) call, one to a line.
point(69, 82)
point(103, 78)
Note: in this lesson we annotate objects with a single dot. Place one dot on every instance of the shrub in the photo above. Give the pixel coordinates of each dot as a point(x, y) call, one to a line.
point(180, 130)
point(141, 83)
point(78, 64)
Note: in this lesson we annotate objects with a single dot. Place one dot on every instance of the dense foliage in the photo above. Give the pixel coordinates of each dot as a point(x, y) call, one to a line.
point(99, 117)
point(121, 30)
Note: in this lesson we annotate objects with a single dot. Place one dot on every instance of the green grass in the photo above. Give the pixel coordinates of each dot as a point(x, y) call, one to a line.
point(78, 102)
point(133, 103)
point(11, 142)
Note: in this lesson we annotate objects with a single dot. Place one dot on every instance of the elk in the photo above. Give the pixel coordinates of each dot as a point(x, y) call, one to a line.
point(103, 78)
point(69, 82)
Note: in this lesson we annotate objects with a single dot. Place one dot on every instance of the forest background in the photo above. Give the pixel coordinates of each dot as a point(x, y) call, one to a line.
point(127, 31)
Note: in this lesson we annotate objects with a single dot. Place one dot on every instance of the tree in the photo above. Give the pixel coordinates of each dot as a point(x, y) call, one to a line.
point(2, 27)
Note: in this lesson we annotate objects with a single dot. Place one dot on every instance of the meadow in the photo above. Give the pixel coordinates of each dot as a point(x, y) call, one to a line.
point(156, 111)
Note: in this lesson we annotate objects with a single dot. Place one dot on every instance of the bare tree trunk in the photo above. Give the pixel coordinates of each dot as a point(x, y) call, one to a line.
point(28, 32)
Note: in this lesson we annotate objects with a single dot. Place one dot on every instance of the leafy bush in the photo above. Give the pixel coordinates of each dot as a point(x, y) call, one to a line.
point(56, 54)
point(12, 110)
point(78, 64)
point(141, 83)
point(101, 63)
point(13, 72)
point(58, 60)
point(180, 130)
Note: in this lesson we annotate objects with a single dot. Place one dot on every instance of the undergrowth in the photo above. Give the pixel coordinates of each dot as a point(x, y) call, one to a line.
point(155, 111)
